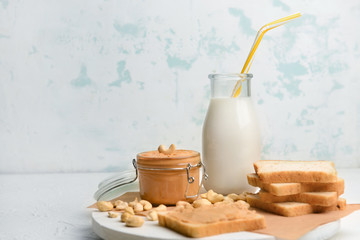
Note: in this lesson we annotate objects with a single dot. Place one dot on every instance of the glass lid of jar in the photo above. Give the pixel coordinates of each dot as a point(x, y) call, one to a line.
point(117, 185)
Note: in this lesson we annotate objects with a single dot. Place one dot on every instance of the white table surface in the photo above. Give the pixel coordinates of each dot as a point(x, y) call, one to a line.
point(53, 206)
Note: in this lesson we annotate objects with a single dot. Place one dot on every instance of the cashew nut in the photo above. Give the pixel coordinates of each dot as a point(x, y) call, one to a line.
point(146, 204)
point(179, 208)
point(233, 196)
point(113, 214)
point(152, 216)
point(121, 206)
point(187, 206)
point(243, 203)
point(214, 197)
point(203, 195)
point(228, 199)
point(117, 202)
point(104, 206)
point(242, 196)
point(201, 202)
point(183, 203)
point(134, 221)
point(129, 210)
point(138, 207)
point(170, 150)
point(161, 207)
point(132, 204)
point(125, 216)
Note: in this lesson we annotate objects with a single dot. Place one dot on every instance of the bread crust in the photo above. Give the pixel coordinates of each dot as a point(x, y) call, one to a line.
point(325, 199)
point(283, 171)
point(289, 209)
point(283, 189)
point(341, 204)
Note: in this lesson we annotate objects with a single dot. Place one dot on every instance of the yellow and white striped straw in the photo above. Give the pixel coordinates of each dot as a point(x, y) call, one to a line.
point(259, 36)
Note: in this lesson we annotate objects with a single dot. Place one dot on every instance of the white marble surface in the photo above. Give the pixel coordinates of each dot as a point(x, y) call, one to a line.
point(53, 206)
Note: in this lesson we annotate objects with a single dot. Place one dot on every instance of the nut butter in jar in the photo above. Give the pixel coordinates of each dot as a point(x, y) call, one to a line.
point(168, 175)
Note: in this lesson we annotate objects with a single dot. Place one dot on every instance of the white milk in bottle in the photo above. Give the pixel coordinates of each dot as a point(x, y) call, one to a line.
point(231, 139)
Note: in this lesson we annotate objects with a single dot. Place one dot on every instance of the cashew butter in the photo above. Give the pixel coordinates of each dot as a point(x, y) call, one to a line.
point(169, 175)
point(213, 213)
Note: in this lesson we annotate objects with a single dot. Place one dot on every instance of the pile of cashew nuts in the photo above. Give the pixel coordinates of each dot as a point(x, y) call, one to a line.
point(131, 208)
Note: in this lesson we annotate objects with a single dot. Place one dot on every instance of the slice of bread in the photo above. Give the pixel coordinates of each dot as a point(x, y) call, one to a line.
point(283, 189)
point(278, 189)
point(325, 199)
point(341, 204)
point(211, 220)
point(289, 209)
point(283, 171)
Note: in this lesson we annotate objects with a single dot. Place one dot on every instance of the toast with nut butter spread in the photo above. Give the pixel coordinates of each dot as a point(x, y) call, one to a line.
point(213, 219)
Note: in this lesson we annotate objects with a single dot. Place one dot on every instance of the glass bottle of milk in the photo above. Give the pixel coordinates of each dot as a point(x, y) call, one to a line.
point(231, 138)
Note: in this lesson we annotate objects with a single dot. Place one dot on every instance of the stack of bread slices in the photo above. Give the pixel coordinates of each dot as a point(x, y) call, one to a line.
point(294, 188)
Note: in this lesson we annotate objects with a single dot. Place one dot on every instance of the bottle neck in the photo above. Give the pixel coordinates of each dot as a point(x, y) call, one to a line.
point(223, 85)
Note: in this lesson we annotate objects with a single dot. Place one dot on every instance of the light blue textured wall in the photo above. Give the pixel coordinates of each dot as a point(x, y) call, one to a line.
point(85, 85)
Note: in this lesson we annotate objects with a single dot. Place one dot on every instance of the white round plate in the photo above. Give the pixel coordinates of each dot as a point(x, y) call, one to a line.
point(112, 229)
